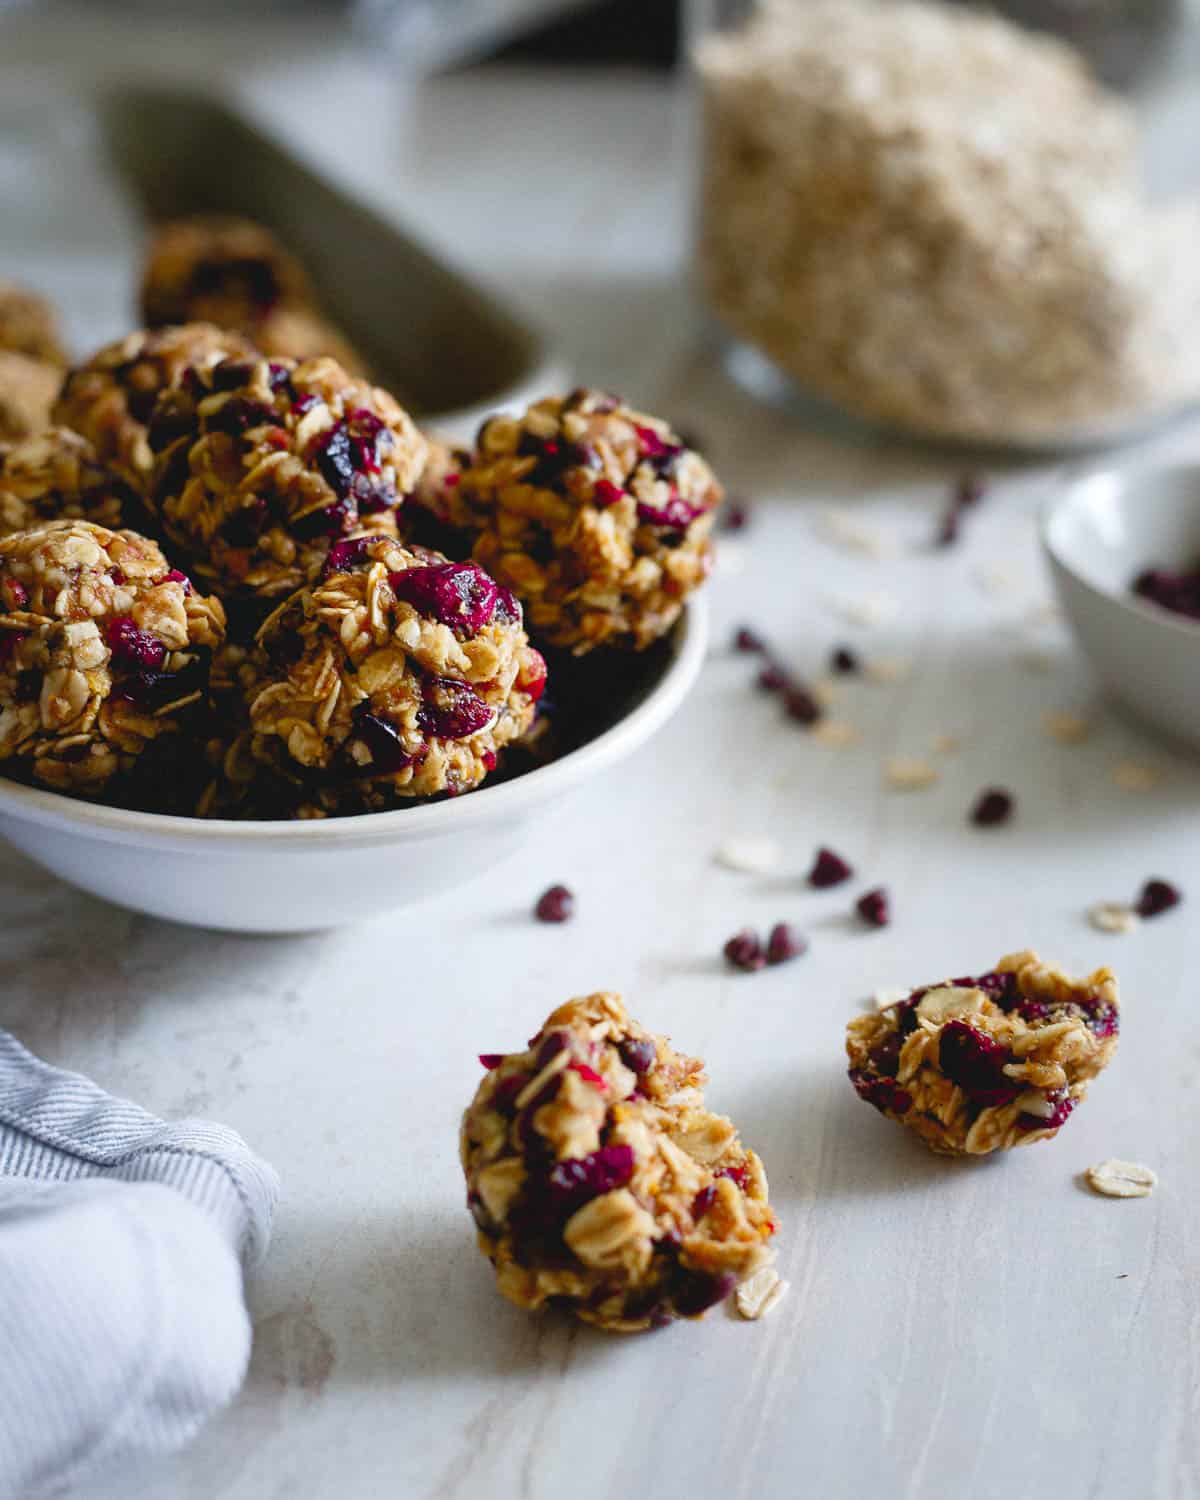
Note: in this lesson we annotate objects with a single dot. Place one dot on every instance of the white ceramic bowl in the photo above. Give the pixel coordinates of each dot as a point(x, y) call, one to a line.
point(300, 876)
point(1104, 530)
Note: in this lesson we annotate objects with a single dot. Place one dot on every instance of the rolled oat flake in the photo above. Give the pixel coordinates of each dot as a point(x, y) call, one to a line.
point(1121, 1179)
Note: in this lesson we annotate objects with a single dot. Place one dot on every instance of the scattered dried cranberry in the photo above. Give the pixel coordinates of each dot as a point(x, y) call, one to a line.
point(844, 661)
point(1178, 592)
point(555, 905)
point(1157, 896)
point(967, 493)
point(588, 1074)
point(703, 1201)
point(1061, 1105)
point(875, 907)
point(744, 951)
point(532, 677)
point(883, 1093)
point(382, 742)
point(16, 593)
point(772, 679)
point(491, 1060)
point(783, 943)
point(173, 575)
point(132, 647)
point(800, 704)
point(736, 515)
point(748, 640)
point(698, 1291)
point(828, 869)
point(739, 1176)
point(581, 1178)
point(676, 515)
point(994, 806)
point(349, 553)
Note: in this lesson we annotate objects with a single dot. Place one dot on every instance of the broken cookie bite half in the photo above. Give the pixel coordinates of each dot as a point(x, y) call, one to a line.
point(983, 1064)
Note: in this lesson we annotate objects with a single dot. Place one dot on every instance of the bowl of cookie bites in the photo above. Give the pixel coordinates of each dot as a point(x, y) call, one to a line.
point(272, 659)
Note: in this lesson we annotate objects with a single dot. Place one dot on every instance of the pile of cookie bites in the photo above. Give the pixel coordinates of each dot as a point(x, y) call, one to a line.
point(236, 580)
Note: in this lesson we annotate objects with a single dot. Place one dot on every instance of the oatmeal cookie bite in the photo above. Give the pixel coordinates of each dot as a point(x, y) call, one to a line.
point(985, 1064)
point(55, 476)
point(29, 325)
point(396, 675)
point(27, 390)
point(600, 1183)
point(111, 396)
point(104, 657)
point(262, 465)
point(234, 273)
point(596, 516)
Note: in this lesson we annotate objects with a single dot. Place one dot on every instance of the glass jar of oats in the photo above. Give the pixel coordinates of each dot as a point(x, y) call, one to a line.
point(936, 220)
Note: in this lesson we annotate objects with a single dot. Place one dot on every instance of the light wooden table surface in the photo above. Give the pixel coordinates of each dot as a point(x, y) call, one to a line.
point(988, 1330)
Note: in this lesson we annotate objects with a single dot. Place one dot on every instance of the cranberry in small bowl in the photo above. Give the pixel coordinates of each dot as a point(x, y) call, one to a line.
point(1121, 544)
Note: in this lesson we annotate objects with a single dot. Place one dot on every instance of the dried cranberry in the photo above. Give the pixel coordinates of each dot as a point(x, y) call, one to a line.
point(737, 515)
point(967, 493)
point(639, 1054)
point(975, 1062)
point(885, 1055)
point(579, 1179)
point(491, 1060)
point(605, 493)
point(508, 611)
point(133, 648)
point(1100, 1016)
point(331, 520)
point(452, 710)
point(238, 415)
point(555, 905)
point(994, 806)
point(173, 575)
point(382, 742)
point(828, 869)
point(1157, 896)
point(697, 1291)
point(532, 676)
point(304, 404)
point(844, 661)
point(549, 1048)
point(739, 1176)
point(772, 679)
point(883, 1093)
point(460, 595)
point(244, 527)
point(1061, 1106)
point(748, 640)
point(784, 943)
point(703, 1201)
point(875, 907)
point(744, 951)
point(16, 592)
point(335, 458)
point(345, 555)
point(675, 515)
point(801, 705)
point(588, 1074)
point(1178, 592)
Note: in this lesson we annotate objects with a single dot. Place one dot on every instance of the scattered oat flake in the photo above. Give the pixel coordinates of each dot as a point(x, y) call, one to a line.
point(1036, 660)
point(946, 744)
point(909, 775)
point(732, 557)
point(1113, 916)
point(825, 690)
point(1067, 727)
point(836, 734)
point(1122, 1179)
point(997, 580)
point(749, 856)
point(851, 534)
point(884, 670)
point(871, 609)
point(1135, 776)
point(759, 1293)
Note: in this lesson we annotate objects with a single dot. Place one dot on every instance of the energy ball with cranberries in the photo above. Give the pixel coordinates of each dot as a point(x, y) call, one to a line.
point(600, 1183)
point(234, 273)
point(262, 465)
point(27, 390)
point(396, 675)
point(29, 325)
point(596, 516)
point(985, 1064)
point(110, 398)
point(55, 476)
point(104, 657)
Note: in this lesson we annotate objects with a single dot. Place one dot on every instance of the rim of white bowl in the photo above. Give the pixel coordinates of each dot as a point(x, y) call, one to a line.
point(120, 825)
point(1127, 601)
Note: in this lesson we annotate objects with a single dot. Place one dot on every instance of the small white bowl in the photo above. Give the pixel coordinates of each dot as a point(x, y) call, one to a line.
point(1098, 537)
point(301, 876)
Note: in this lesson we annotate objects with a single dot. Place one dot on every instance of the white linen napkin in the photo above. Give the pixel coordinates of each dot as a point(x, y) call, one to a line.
point(123, 1324)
